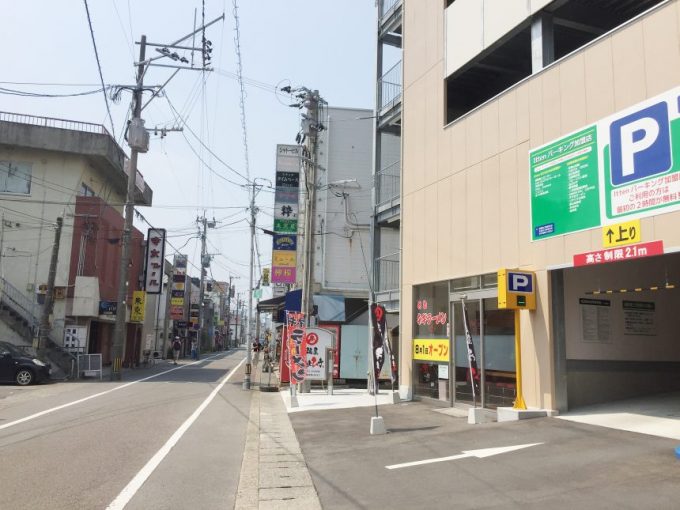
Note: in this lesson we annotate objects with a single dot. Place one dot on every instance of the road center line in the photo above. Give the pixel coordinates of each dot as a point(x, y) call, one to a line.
point(80, 401)
point(135, 484)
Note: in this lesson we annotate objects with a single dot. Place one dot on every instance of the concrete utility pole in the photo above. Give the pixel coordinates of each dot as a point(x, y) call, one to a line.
point(227, 340)
point(205, 263)
point(121, 310)
point(311, 128)
point(44, 330)
point(138, 141)
point(249, 337)
point(166, 318)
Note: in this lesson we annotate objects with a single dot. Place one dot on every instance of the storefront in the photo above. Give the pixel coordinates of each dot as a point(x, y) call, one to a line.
point(449, 317)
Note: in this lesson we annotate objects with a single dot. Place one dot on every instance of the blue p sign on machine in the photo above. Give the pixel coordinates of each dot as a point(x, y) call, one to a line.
point(516, 289)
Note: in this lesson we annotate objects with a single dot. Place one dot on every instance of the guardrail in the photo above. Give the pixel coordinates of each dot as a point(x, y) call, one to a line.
point(388, 183)
point(387, 271)
point(387, 7)
point(389, 88)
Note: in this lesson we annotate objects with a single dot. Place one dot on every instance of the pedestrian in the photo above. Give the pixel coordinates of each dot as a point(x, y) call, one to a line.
point(194, 350)
point(176, 347)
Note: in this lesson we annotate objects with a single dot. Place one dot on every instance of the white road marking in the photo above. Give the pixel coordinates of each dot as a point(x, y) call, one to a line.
point(135, 484)
point(80, 401)
point(480, 454)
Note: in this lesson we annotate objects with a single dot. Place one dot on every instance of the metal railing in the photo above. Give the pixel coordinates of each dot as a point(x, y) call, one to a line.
point(89, 365)
point(17, 301)
point(389, 88)
point(35, 120)
point(387, 7)
point(388, 183)
point(387, 272)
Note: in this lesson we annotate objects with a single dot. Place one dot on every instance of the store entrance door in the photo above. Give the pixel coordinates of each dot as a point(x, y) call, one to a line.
point(490, 379)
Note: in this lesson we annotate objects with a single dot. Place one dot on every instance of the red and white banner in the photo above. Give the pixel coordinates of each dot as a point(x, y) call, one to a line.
point(630, 252)
point(297, 345)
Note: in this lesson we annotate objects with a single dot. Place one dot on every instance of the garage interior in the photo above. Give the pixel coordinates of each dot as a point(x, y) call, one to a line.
point(616, 330)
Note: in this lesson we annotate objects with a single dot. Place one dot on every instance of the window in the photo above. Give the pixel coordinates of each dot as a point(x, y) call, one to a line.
point(15, 177)
point(86, 191)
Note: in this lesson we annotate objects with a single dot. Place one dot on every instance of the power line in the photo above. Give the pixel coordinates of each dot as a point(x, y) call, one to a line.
point(99, 67)
point(239, 72)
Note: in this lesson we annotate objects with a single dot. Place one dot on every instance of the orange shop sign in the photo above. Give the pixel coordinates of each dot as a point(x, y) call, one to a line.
point(431, 349)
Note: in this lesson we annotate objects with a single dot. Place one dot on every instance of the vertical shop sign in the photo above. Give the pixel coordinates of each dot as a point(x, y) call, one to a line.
point(472, 358)
point(155, 256)
point(138, 304)
point(318, 341)
point(288, 158)
point(178, 288)
point(297, 348)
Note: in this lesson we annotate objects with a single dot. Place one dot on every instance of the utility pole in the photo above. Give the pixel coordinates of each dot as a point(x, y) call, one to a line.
point(119, 329)
point(138, 140)
point(227, 341)
point(205, 263)
point(311, 128)
point(44, 331)
point(238, 305)
point(249, 339)
point(166, 318)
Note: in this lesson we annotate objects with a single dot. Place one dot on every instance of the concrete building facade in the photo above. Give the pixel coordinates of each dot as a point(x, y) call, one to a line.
point(489, 88)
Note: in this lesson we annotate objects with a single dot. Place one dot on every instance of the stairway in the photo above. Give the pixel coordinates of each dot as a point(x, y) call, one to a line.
point(21, 315)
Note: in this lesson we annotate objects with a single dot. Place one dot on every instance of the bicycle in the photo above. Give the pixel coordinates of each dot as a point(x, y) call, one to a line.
point(148, 361)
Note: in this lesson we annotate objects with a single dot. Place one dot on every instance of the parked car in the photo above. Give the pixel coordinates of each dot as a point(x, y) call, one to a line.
point(20, 367)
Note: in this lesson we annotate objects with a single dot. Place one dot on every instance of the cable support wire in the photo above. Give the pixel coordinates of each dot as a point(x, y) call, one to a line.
point(183, 122)
point(99, 67)
point(239, 69)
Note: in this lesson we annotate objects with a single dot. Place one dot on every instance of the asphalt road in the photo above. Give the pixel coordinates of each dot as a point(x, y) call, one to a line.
point(575, 466)
point(84, 454)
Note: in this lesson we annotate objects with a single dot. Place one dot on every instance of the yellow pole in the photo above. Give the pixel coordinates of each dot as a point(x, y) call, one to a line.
point(519, 401)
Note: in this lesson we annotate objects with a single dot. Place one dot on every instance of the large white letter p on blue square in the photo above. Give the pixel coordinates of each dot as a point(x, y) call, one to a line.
point(640, 145)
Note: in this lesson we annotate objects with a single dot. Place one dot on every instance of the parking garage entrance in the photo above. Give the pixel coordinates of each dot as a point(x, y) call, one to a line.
point(616, 329)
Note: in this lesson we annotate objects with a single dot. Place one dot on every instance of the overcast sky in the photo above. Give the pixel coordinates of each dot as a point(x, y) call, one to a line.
point(327, 45)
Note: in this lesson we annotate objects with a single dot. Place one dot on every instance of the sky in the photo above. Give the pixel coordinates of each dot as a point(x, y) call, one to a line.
point(328, 45)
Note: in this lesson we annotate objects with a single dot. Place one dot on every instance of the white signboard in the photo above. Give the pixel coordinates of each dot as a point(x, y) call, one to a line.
point(318, 339)
point(75, 339)
point(155, 257)
point(639, 318)
point(596, 320)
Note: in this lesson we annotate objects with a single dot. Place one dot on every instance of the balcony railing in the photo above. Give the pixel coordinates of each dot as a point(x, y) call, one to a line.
point(388, 183)
point(72, 125)
point(389, 88)
point(387, 273)
point(387, 7)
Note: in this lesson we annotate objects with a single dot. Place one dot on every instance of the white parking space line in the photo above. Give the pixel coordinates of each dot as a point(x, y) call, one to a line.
point(80, 401)
point(135, 484)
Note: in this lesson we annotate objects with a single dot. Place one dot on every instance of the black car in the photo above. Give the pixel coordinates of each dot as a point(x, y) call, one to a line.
point(20, 367)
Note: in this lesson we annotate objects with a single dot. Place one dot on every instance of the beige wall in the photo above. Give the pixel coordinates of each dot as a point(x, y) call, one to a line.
point(465, 205)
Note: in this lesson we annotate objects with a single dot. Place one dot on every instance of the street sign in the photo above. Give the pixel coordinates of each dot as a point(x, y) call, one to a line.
point(516, 290)
point(633, 251)
point(621, 234)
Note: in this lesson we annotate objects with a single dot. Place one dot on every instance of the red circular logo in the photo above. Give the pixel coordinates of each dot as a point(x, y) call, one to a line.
point(312, 339)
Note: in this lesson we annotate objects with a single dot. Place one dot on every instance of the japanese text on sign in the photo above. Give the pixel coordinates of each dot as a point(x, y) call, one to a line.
point(436, 349)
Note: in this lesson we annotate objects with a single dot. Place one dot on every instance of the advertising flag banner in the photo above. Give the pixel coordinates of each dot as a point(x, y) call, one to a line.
point(379, 323)
point(472, 358)
point(155, 256)
point(297, 345)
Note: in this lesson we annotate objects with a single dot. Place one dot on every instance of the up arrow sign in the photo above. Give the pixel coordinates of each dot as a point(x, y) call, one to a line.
point(480, 454)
